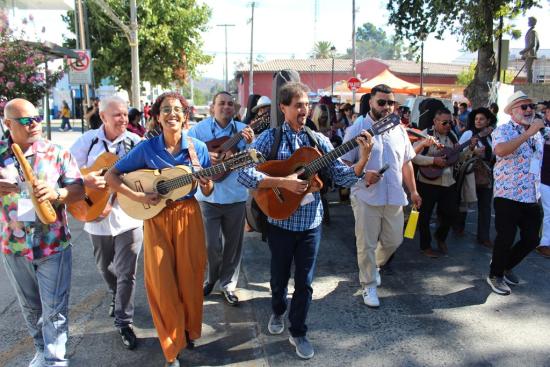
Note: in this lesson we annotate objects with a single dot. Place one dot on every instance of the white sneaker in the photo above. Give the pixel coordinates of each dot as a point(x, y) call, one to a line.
point(370, 297)
point(378, 278)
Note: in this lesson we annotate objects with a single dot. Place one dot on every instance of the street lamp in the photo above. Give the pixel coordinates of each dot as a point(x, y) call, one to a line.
point(332, 52)
point(422, 39)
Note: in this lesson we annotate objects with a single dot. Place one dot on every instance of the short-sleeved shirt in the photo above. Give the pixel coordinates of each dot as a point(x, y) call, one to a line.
point(229, 190)
point(152, 154)
point(392, 147)
point(86, 151)
point(512, 174)
point(308, 216)
point(35, 240)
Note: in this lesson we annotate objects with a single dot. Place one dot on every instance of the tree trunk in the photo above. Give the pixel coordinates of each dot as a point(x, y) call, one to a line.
point(478, 89)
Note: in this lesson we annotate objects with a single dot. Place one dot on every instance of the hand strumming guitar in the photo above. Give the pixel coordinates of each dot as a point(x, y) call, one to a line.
point(440, 161)
point(294, 184)
point(95, 180)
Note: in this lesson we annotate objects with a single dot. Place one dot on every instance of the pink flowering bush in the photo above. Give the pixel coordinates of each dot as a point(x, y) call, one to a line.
point(21, 68)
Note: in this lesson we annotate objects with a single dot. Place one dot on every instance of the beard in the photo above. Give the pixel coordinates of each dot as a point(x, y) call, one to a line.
point(379, 115)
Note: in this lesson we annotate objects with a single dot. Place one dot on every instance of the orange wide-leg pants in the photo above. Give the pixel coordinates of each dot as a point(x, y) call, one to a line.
point(175, 260)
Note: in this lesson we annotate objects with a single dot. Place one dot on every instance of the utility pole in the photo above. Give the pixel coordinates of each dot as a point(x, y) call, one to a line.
point(81, 44)
point(353, 48)
point(251, 73)
point(226, 66)
point(499, 53)
point(131, 34)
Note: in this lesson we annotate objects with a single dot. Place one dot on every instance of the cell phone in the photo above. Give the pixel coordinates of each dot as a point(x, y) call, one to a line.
point(383, 169)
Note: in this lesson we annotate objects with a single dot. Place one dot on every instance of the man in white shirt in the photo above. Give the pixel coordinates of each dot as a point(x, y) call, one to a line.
point(378, 200)
point(116, 238)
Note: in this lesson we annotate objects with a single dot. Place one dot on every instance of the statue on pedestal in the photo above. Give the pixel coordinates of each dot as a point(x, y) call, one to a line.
point(529, 53)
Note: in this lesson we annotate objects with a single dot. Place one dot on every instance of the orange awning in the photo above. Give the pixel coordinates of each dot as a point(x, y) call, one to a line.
point(396, 84)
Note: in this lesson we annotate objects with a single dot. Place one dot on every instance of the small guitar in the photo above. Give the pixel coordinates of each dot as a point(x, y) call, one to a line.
point(226, 145)
point(176, 182)
point(97, 203)
point(279, 203)
point(451, 154)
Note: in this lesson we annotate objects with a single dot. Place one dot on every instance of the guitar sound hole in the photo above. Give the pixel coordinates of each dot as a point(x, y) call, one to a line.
point(162, 188)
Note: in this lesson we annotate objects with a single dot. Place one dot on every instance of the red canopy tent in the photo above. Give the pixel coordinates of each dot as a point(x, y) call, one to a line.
point(396, 84)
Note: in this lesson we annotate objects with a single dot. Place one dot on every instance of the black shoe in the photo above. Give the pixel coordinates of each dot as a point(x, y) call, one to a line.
point(128, 337)
point(207, 289)
point(112, 308)
point(230, 298)
point(190, 343)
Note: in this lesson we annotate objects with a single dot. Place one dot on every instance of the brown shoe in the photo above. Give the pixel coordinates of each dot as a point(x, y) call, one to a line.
point(430, 253)
point(442, 247)
point(485, 243)
point(543, 251)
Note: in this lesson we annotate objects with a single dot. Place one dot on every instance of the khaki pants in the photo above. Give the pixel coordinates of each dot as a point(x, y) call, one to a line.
point(378, 232)
point(174, 264)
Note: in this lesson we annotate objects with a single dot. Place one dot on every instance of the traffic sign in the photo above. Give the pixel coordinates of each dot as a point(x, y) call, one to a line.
point(354, 83)
point(80, 70)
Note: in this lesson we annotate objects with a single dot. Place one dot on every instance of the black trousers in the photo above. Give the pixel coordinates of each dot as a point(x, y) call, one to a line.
point(446, 200)
point(484, 197)
point(509, 216)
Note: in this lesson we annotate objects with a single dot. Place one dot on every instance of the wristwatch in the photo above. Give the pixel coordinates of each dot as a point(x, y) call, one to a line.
point(58, 194)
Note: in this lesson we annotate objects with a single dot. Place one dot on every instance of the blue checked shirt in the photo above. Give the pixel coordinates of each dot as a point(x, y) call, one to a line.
point(307, 216)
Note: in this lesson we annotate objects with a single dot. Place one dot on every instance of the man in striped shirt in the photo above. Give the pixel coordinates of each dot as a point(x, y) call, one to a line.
point(297, 238)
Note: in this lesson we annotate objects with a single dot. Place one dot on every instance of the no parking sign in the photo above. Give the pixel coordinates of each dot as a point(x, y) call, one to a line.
point(80, 70)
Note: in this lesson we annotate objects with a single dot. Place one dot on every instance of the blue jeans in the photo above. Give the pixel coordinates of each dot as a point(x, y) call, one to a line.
point(42, 288)
point(302, 247)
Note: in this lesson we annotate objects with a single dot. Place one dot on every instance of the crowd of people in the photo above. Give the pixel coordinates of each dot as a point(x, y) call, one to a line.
point(460, 160)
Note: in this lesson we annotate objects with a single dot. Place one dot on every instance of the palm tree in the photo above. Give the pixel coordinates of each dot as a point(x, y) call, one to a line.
point(322, 50)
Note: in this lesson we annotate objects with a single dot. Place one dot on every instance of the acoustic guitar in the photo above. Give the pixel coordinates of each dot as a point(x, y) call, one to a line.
point(451, 155)
point(279, 203)
point(175, 182)
point(97, 203)
point(227, 145)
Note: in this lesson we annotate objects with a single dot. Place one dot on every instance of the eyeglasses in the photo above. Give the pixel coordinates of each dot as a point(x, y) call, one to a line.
point(382, 102)
point(446, 122)
point(529, 105)
point(177, 109)
point(28, 120)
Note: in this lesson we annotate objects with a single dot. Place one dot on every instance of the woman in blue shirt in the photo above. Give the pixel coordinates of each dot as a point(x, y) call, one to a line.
point(174, 242)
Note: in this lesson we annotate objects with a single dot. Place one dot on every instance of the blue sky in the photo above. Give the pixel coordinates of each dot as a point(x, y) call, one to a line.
point(287, 28)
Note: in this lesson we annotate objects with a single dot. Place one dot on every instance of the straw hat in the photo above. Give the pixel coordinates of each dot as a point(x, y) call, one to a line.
point(514, 99)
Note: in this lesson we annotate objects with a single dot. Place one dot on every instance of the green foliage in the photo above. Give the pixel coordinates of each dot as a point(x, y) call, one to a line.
point(374, 42)
point(322, 50)
point(169, 41)
point(467, 76)
point(21, 68)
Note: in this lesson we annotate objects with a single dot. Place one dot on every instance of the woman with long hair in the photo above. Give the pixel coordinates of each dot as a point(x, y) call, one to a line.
point(174, 240)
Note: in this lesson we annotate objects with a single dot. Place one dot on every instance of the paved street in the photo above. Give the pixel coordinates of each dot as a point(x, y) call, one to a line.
point(434, 312)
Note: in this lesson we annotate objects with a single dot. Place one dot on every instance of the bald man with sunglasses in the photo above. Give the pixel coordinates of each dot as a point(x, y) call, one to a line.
point(37, 256)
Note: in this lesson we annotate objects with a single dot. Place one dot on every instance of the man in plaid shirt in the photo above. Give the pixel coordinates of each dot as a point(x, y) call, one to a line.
point(297, 238)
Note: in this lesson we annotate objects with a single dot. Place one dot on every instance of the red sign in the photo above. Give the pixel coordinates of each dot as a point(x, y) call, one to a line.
point(354, 83)
point(82, 63)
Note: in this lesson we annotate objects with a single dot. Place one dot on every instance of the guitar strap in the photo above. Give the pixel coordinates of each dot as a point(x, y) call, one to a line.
point(193, 155)
point(278, 135)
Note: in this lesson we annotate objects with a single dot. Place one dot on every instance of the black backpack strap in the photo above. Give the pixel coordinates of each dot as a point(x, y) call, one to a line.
point(278, 135)
point(128, 144)
point(313, 139)
point(94, 142)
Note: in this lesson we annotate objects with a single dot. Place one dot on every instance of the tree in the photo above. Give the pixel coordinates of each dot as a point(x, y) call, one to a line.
point(169, 41)
point(474, 21)
point(465, 77)
point(374, 42)
point(322, 50)
point(21, 68)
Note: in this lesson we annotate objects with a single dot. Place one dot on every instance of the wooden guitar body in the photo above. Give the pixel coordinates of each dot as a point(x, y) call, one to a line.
point(95, 202)
point(146, 180)
point(279, 203)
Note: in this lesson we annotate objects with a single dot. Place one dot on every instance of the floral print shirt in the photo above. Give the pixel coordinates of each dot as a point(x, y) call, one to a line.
point(517, 175)
point(35, 240)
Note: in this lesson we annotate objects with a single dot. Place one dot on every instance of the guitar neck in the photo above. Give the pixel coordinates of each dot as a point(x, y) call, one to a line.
point(325, 160)
point(234, 140)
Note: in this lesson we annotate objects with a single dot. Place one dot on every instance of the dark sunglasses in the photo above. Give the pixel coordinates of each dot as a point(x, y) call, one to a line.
point(446, 122)
point(382, 102)
point(28, 120)
point(525, 106)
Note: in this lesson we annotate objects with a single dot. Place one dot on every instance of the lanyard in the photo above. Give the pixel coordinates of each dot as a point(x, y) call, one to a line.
point(213, 128)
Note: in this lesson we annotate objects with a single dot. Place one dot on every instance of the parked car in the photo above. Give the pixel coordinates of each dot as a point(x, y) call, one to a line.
point(201, 112)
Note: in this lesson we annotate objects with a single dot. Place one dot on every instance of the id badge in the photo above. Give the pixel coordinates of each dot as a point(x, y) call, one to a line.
point(25, 210)
point(534, 167)
point(307, 199)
